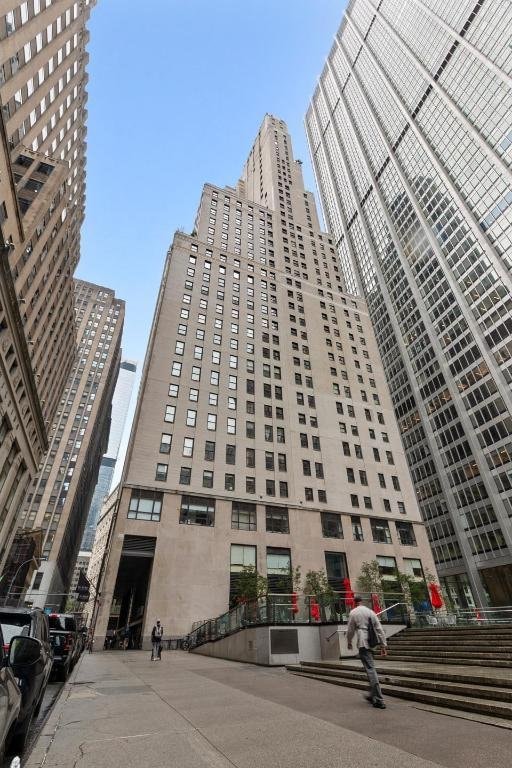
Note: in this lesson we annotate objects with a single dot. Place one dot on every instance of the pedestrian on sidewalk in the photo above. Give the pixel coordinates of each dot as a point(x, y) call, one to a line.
point(365, 625)
point(157, 634)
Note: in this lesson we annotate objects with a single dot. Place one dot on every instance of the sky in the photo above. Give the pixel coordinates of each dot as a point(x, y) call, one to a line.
point(177, 92)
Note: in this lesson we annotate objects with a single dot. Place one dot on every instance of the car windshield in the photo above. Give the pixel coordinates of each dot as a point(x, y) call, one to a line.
point(62, 623)
point(14, 624)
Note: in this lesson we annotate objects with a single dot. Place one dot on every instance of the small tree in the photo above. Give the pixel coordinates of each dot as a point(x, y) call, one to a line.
point(250, 584)
point(316, 583)
point(369, 579)
point(296, 578)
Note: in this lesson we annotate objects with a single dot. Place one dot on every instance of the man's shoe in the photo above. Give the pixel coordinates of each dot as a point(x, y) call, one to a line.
point(379, 705)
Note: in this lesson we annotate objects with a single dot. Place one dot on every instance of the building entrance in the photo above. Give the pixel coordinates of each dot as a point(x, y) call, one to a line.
point(128, 607)
point(498, 583)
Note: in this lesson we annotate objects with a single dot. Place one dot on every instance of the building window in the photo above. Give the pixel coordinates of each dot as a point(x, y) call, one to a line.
point(405, 533)
point(209, 451)
point(191, 417)
point(230, 454)
point(250, 457)
point(250, 485)
point(185, 475)
point(270, 488)
point(196, 510)
point(387, 567)
point(277, 520)
point(283, 489)
point(331, 525)
point(207, 478)
point(380, 531)
point(188, 446)
point(308, 494)
point(170, 413)
point(242, 556)
point(211, 423)
point(243, 516)
point(161, 472)
point(281, 462)
point(279, 570)
point(336, 569)
point(250, 429)
point(165, 443)
point(413, 567)
point(357, 529)
point(145, 505)
point(229, 482)
point(322, 496)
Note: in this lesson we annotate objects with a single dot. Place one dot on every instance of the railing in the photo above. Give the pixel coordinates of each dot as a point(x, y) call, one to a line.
point(464, 616)
point(293, 609)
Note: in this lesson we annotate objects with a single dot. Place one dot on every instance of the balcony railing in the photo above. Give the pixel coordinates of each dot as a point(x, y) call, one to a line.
point(293, 609)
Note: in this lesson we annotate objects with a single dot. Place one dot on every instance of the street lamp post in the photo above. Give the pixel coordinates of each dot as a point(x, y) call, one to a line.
point(17, 571)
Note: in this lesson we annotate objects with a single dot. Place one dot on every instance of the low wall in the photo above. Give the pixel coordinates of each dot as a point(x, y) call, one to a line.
point(279, 645)
point(270, 646)
point(333, 641)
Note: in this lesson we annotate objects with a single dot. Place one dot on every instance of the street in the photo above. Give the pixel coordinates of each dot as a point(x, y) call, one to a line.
point(190, 711)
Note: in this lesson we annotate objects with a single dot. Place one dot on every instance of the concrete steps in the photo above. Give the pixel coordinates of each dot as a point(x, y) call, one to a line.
point(437, 698)
point(487, 645)
point(399, 677)
point(467, 669)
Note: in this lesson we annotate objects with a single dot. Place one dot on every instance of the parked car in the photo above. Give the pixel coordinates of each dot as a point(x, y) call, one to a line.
point(65, 643)
point(24, 653)
point(32, 678)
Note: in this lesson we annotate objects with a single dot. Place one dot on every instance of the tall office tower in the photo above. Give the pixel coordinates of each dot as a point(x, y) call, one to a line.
point(264, 433)
point(120, 405)
point(60, 496)
point(410, 133)
point(98, 556)
point(42, 178)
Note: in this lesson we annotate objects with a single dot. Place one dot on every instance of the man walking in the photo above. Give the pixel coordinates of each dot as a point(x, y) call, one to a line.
point(361, 623)
point(156, 638)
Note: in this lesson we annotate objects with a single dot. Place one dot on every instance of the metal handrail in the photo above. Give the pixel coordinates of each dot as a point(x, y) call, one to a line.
point(275, 606)
point(338, 631)
point(385, 610)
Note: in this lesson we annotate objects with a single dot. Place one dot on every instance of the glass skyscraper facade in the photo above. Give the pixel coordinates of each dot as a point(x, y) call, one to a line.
point(410, 131)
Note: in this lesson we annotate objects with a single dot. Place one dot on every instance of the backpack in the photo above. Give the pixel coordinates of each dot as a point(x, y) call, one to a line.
point(373, 640)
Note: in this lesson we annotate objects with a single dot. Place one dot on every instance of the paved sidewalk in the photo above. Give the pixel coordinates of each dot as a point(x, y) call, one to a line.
point(189, 711)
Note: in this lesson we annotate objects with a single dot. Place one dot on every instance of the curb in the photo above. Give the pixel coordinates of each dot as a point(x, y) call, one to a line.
point(39, 750)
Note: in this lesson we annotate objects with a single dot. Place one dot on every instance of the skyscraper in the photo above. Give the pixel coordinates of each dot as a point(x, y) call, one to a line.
point(264, 433)
point(60, 497)
point(42, 180)
point(410, 130)
point(120, 405)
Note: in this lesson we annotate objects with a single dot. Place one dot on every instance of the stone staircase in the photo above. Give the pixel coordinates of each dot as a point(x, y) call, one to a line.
point(463, 668)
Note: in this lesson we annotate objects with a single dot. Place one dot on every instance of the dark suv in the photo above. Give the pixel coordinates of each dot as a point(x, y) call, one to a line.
point(65, 643)
point(11, 700)
point(32, 679)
